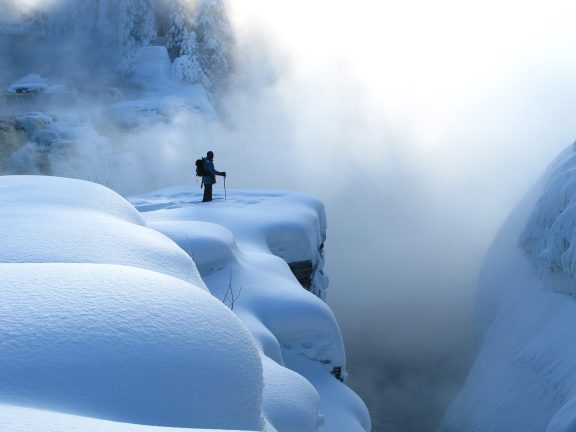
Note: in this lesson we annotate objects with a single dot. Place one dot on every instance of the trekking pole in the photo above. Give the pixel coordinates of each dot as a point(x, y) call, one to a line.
point(224, 188)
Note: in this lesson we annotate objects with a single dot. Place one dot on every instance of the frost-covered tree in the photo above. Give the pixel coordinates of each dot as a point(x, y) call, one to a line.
point(199, 41)
point(182, 44)
point(214, 40)
point(186, 67)
point(137, 29)
point(107, 34)
point(179, 26)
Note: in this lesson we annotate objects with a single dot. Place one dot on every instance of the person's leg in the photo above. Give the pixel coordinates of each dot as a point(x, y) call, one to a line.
point(207, 193)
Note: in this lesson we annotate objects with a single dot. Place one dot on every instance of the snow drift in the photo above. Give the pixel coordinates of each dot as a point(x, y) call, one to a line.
point(107, 324)
point(103, 317)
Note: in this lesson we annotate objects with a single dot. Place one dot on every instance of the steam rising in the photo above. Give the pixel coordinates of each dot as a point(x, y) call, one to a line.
point(417, 168)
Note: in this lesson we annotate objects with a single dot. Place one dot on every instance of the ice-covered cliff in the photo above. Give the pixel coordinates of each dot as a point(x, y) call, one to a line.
point(524, 376)
point(179, 315)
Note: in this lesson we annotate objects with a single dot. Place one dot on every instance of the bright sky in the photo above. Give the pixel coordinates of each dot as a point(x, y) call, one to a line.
point(418, 56)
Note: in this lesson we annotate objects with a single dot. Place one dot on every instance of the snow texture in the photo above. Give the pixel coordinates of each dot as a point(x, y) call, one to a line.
point(19, 419)
point(524, 376)
point(108, 325)
point(103, 317)
point(242, 247)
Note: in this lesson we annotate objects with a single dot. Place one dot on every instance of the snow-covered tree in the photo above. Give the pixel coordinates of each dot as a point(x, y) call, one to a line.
point(186, 67)
point(214, 40)
point(182, 44)
point(137, 29)
point(179, 27)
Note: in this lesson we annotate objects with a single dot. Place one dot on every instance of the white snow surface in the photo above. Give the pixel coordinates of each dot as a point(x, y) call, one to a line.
point(108, 324)
point(242, 244)
point(103, 317)
point(524, 377)
point(20, 419)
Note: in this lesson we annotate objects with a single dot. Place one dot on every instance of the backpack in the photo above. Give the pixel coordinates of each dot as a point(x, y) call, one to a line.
point(200, 170)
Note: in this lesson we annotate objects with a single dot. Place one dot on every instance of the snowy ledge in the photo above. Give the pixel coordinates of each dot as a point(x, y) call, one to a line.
point(182, 315)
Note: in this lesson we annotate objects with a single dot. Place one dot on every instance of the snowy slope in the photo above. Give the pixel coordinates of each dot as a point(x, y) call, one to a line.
point(103, 317)
point(106, 324)
point(19, 419)
point(242, 246)
point(524, 377)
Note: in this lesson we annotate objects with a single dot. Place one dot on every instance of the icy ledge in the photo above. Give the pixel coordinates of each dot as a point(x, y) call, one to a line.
point(524, 376)
point(106, 324)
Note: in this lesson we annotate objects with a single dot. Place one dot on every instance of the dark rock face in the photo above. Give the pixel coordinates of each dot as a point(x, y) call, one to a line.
point(303, 270)
point(311, 275)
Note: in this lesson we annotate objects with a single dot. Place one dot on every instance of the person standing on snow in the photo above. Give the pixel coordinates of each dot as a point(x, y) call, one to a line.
point(209, 179)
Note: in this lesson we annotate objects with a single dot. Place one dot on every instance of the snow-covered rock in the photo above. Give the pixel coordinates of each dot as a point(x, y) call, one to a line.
point(34, 83)
point(108, 325)
point(242, 246)
point(103, 317)
point(524, 376)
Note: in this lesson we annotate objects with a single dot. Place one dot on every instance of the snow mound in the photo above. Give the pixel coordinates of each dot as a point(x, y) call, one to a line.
point(100, 227)
point(524, 376)
point(124, 344)
point(19, 419)
point(243, 246)
point(103, 317)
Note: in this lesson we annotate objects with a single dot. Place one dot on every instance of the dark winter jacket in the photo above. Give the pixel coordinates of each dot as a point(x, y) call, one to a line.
point(209, 167)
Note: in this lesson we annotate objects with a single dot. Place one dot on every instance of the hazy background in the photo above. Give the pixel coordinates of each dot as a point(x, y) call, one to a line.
point(420, 124)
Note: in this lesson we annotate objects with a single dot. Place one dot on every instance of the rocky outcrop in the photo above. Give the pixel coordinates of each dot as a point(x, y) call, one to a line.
point(255, 250)
point(310, 274)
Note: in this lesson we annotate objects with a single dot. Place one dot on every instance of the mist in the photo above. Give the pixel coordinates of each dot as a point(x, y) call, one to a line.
point(419, 161)
point(420, 127)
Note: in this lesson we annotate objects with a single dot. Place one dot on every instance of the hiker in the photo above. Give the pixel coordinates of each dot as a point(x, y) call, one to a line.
point(210, 178)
